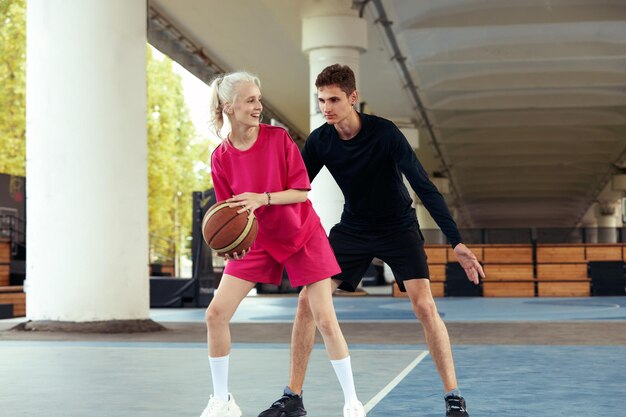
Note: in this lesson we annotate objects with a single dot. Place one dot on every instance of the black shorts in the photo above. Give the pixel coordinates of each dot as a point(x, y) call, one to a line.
point(402, 250)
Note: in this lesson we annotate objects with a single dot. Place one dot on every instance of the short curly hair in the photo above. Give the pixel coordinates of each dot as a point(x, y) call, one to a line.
point(339, 75)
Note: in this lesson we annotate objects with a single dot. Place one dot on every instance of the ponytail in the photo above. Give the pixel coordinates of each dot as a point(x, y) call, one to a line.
point(216, 109)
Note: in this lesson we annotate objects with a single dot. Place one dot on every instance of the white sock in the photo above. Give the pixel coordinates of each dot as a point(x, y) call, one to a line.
point(343, 369)
point(219, 374)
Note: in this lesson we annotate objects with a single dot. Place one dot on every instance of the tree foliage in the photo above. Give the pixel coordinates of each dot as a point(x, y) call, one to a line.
point(177, 158)
point(173, 154)
point(13, 87)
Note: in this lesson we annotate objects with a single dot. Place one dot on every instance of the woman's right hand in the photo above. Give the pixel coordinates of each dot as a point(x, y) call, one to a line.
point(236, 256)
point(247, 202)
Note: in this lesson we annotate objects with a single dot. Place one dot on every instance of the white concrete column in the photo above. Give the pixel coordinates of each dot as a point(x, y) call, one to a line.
point(332, 33)
point(591, 230)
point(87, 231)
point(607, 221)
point(618, 184)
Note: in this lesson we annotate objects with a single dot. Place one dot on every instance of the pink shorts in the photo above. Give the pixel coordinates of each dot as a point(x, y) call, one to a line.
point(314, 262)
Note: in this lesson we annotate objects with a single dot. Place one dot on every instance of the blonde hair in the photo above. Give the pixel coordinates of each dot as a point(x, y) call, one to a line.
point(224, 91)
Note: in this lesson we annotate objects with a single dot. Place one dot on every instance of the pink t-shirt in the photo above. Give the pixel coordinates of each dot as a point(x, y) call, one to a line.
point(272, 164)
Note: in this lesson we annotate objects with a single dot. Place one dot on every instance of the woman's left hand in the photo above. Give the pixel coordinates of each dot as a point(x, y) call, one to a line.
point(247, 201)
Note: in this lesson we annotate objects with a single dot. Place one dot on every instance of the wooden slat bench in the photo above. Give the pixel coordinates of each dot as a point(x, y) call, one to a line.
point(562, 270)
point(509, 280)
point(555, 270)
point(5, 275)
point(560, 254)
point(5, 262)
point(5, 251)
point(508, 254)
point(604, 252)
point(564, 288)
point(15, 295)
point(508, 270)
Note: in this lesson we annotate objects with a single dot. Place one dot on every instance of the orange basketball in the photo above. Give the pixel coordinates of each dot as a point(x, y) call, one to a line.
point(227, 232)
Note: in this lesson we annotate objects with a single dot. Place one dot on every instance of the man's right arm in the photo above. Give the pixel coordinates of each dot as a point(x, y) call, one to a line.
point(311, 160)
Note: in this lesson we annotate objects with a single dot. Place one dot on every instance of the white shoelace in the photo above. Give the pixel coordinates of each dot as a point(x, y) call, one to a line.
point(213, 405)
point(354, 411)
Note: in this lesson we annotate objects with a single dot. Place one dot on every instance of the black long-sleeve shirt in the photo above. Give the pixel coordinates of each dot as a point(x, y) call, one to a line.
point(368, 169)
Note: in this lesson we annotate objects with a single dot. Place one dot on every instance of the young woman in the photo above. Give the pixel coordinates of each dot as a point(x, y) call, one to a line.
point(259, 168)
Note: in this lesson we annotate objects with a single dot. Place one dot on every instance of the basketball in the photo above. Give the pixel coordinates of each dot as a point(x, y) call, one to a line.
point(227, 232)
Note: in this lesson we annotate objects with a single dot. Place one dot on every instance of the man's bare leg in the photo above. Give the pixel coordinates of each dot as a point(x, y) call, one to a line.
point(302, 340)
point(435, 330)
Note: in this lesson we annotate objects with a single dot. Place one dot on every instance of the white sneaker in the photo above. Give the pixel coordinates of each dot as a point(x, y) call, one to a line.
point(220, 408)
point(354, 410)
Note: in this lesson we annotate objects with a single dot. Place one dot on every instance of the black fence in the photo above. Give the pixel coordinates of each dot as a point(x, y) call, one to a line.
point(532, 235)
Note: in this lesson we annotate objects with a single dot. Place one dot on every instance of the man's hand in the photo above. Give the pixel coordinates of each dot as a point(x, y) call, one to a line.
point(468, 261)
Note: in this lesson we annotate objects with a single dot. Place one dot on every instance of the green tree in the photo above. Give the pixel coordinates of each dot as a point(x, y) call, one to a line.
point(174, 154)
point(13, 90)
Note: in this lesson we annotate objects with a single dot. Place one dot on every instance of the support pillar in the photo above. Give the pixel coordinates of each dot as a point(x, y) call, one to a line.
point(591, 231)
point(332, 33)
point(607, 221)
point(87, 232)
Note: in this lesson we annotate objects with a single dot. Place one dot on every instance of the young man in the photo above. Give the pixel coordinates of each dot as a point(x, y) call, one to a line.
point(367, 156)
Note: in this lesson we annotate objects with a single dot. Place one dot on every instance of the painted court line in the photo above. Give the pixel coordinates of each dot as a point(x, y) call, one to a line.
point(392, 384)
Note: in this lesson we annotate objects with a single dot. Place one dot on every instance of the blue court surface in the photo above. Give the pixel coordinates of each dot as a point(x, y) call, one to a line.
point(389, 309)
point(165, 379)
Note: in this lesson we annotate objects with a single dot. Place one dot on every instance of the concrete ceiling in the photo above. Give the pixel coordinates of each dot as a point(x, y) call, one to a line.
point(526, 98)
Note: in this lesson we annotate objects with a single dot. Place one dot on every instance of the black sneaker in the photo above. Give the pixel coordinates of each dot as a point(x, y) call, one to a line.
point(286, 406)
point(455, 407)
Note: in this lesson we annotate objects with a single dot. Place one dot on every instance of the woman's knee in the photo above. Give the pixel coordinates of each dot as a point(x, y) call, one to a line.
point(214, 315)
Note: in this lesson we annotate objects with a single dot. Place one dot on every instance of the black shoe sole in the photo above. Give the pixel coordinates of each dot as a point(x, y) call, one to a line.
point(298, 413)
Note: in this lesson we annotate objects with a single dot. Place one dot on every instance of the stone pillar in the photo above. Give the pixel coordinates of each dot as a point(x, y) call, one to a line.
point(591, 230)
point(607, 221)
point(332, 33)
point(618, 184)
point(87, 229)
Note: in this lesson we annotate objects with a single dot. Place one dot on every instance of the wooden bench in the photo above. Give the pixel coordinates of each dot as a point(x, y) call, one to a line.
point(562, 270)
point(508, 254)
point(15, 295)
point(5, 263)
point(508, 271)
point(161, 270)
point(5, 275)
point(560, 254)
point(555, 270)
point(437, 258)
point(604, 252)
point(509, 280)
